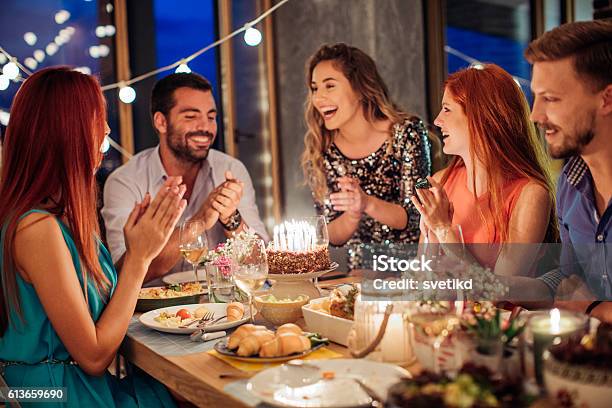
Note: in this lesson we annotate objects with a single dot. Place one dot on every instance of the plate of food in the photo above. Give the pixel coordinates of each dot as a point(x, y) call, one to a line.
point(474, 386)
point(173, 319)
point(326, 383)
point(170, 295)
point(257, 344)
point(185, 277)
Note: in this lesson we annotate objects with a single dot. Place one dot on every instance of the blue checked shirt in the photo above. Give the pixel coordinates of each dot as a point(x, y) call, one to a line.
point(583, 232)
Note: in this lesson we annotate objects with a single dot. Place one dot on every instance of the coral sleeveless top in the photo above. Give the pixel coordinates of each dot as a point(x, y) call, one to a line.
point(477, 228)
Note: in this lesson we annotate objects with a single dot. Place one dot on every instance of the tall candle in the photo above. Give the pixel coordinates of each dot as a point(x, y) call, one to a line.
point(547, 327)
point(395, 346)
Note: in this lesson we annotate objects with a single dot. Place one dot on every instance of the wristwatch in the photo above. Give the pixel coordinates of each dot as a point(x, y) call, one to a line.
point(233, 222)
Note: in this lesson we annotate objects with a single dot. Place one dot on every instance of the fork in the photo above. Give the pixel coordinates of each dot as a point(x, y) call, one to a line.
point(208, 316)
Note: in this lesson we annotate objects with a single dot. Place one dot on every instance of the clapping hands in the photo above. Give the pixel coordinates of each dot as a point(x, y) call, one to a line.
point(351, 198)
point(150, 224)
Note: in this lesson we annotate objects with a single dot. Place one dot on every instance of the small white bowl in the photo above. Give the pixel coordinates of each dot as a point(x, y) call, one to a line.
point(334, 328)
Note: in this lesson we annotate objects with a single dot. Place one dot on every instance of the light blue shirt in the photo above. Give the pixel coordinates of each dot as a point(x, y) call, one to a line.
point(145, 173)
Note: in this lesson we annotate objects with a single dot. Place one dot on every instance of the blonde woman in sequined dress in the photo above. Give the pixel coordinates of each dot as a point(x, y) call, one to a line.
point(362, 155)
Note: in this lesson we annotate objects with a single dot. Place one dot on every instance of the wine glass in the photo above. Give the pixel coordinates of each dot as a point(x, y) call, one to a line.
point(192, 243)
point(436, 321)
point(321, 236)
point(250, 266)
point(320, 225)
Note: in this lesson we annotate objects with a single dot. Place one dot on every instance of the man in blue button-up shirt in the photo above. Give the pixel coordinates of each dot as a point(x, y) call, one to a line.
point(572, 85)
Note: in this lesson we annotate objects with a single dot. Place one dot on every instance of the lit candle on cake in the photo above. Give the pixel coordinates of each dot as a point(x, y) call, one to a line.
point(298, 248)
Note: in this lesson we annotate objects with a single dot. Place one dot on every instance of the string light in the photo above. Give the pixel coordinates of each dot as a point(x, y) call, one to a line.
point(94, 51)
point(10, 70)
point(4, 117)
point(183, 69)
point(31, 63)
point(474, 63)
point(4, 82)
point(30, 38)
point(127, 94)
point(39, 55)
point(62, 16)
point(51, 49)
point(252, 37)
point(100, 31)
point(105, 145)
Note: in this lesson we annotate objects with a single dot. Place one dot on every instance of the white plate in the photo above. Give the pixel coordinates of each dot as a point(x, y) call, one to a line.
point(184, 277)
point(301, 276)
point(148, 319)
point(288, 386)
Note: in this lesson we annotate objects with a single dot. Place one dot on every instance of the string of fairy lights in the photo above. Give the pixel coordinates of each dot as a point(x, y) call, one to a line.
point(13, 68)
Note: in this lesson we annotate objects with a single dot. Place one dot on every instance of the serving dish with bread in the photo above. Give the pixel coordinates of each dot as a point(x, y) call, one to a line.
point(253, 343)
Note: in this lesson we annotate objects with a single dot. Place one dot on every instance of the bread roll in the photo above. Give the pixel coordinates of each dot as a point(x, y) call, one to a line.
point(289, 328)
point(284, 344)
point(235, 311)
point(251, 344)
point(240, 333)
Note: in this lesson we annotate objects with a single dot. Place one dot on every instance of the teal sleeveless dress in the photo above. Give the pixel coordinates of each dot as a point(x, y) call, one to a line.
point(32, 354)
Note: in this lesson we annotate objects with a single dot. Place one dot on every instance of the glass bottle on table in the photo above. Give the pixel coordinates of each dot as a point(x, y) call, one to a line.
point(192, 243)
point(250, 266)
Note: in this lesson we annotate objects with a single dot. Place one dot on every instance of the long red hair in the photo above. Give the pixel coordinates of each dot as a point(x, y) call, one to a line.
point(502, 137)
point(50, 152)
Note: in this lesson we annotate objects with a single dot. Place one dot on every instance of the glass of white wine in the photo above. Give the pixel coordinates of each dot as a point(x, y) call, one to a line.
point(192, 243)
point(250, 266)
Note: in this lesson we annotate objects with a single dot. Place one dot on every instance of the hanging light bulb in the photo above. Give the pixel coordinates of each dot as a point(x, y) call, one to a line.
point(39, 55)
point(4, 82)
point(105, 145)
point(31, 63)
point(4, 117)
point(62, 16)
point(183, 68)
point(10, 70)
point(252, 37)
point(127, 94)
point(30, 38)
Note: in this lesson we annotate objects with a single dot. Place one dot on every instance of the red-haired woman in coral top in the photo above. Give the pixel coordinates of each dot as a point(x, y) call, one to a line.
point(497, 186)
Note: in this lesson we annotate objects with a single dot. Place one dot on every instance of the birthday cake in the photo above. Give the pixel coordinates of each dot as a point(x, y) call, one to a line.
point(296, 249)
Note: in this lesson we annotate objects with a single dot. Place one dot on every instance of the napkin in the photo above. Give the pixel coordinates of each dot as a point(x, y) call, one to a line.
point(199, 337)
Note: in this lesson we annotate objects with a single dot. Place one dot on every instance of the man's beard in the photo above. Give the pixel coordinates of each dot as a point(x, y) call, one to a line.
point(571, 145)
point(178, 144)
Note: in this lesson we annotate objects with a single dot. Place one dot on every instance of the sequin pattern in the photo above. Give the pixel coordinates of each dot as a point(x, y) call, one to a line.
point(388, 175)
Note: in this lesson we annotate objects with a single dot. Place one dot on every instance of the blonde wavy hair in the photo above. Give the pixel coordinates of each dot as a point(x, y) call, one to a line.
point(361, 72)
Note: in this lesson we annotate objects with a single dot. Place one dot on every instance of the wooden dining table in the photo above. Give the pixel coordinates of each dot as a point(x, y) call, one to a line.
point(196, 377)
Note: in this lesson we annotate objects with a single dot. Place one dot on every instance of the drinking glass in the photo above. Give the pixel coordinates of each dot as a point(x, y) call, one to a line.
point(220, 278)
point(192, 243)
point(437, 323)
point(250, 266)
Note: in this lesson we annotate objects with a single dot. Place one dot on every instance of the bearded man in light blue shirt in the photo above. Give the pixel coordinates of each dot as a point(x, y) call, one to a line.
point(219, 190)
